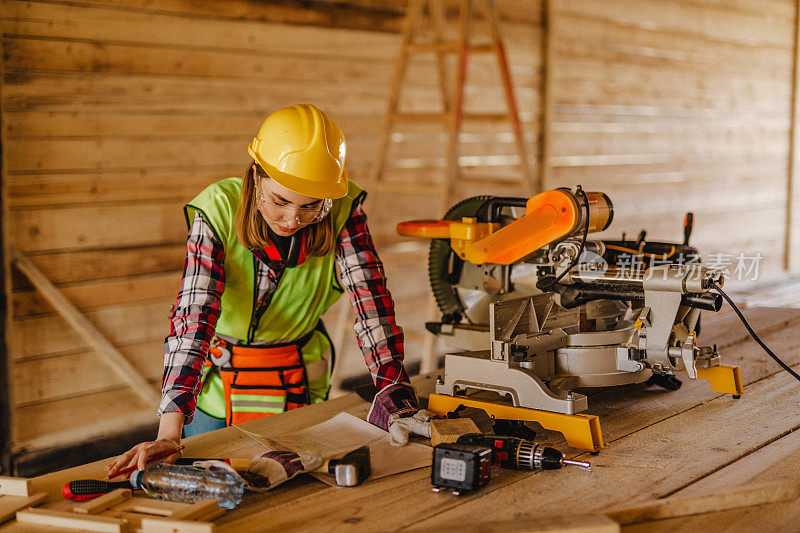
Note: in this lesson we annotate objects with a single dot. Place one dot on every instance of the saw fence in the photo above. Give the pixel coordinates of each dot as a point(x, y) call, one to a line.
point(688, 460)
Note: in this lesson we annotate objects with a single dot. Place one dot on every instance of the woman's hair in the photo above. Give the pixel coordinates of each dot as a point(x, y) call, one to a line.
point(251, 228)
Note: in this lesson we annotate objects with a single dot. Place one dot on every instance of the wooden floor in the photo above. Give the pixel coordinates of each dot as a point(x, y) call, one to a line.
point(658, 444)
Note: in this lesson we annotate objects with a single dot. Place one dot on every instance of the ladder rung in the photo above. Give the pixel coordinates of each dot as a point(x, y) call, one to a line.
point(432, 117)
point(485, 117)
point(482, 49)
point(447, 46)
point(419, 117)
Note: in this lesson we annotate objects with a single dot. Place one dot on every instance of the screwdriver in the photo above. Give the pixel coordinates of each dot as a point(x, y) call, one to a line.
point(520, 454)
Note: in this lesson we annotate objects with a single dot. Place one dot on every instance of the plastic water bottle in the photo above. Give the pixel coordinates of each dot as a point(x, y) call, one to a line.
point(178, 483)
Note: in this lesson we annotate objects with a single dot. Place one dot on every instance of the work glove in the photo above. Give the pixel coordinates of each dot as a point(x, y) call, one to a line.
point(395, 409)
point(269, 469)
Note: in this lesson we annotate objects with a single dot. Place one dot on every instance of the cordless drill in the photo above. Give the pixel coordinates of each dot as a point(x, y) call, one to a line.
point(520, 454)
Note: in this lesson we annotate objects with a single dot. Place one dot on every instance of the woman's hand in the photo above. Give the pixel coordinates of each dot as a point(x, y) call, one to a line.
point(139, 454)
point(170, 427)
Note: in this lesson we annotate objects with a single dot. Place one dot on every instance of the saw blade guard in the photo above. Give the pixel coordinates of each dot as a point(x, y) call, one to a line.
point(549, 217)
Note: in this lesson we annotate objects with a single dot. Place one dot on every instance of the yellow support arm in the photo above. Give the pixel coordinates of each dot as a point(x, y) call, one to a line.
point(723, 378)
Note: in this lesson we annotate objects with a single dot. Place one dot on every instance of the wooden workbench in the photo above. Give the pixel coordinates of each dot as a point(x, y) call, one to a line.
point(658, 444)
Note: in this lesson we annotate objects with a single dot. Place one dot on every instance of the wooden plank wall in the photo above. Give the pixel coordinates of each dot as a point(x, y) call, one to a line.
point(674, 106)
point(115, 112)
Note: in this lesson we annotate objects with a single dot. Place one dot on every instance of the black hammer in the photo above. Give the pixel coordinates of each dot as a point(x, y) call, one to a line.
point(349, 471)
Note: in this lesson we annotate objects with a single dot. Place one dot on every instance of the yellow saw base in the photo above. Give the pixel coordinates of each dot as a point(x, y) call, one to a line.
point(581, 431)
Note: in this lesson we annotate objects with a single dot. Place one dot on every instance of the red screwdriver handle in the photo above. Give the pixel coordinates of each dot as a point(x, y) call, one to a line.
point(83, 490)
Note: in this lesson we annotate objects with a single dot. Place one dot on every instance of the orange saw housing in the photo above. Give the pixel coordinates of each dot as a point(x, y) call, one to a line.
point(549, 217)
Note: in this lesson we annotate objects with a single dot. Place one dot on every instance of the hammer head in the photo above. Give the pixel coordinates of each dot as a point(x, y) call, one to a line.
point(351, 469)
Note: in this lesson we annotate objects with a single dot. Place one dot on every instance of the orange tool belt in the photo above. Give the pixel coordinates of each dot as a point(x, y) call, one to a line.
point(260, 381)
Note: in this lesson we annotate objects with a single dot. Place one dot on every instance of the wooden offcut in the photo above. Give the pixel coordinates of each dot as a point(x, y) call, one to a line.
point(448, 430)
point(9, 505)
point(67, 520)
point(15, 486)
point(103, 502)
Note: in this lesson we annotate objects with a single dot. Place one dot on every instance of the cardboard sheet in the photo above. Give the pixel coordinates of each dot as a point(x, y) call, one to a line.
point(344, 433)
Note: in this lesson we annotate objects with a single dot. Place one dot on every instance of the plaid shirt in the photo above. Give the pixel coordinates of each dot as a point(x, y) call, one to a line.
point(198, 308)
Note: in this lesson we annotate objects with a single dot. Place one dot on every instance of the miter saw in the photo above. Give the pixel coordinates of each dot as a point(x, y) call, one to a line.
point(536, 309)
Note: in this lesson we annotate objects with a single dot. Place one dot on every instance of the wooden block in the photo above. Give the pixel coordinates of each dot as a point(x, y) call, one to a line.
point(151, 506)
point(449, 429)
point(15, 486)
point(202, 510)
point(103, 502)
point(9, 505)
point(160, 525)
point(69, 520)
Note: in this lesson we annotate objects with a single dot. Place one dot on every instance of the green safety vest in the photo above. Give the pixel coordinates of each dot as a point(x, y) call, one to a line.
point(303, 294)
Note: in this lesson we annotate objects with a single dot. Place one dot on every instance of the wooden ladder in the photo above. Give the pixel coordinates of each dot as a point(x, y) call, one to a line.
point(453, 115)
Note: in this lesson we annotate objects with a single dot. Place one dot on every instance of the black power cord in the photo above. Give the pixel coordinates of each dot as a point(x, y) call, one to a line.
point(753, 333)
point(550, 281)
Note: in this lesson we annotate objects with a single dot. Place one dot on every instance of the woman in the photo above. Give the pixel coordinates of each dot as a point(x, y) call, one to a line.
point(259, 272)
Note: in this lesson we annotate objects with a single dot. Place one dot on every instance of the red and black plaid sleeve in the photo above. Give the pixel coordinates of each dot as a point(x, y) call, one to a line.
point(193, 320)
point(377, 332)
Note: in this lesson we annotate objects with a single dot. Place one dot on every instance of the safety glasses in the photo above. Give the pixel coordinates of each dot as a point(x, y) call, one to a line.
point(277, 211)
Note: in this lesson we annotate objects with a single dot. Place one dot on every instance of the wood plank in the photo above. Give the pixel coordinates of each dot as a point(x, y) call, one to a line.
point(770, 517)
point(84, 327)
point(24, 156)
point(161, 525)
point(227, 156)
point(9, 505)
point(76, 419)
point(744, 496)
point(99, 293)
point(86, 265)
point(687, 141)
point(777, 461)
point(64, 20)
point(122, 324)
point(66, 376)
point(140, 185)
point(51, 91)
point(607, 42)
point(55, 229)
point(283, 17)
point(103, 502)
point(709, 21)
point(67, 520)
point(30, 53)
point(77, 436)
point(111, 58)
point(518, 10)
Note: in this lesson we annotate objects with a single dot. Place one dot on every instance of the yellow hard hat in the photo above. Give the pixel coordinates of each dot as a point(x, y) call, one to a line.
point(301, 148)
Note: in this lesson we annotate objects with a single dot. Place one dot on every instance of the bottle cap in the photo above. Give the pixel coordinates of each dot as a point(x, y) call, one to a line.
point(136, 479)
